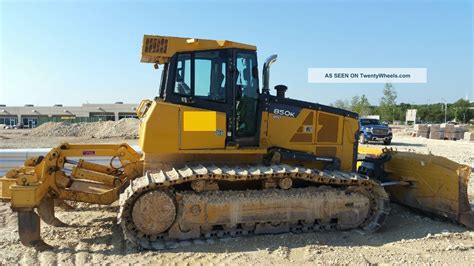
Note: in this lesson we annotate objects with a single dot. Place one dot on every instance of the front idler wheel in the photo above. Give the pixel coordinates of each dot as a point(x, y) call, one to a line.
point(154, 212)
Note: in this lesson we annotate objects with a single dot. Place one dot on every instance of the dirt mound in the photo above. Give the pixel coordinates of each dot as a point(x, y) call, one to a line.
point(125, 128)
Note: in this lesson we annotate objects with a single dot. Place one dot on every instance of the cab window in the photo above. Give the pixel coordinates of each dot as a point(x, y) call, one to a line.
point(183, 75)
point(247, 78)
point(208, 69)
point(246, 87)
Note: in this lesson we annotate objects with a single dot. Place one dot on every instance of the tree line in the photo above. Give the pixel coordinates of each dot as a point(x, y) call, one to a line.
point(389, 110)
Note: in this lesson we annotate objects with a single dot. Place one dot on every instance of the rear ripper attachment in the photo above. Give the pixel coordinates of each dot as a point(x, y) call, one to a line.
point(35, 188)
point(160, 209)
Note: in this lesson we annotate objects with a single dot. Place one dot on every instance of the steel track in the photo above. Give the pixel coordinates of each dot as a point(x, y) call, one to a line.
point(166, 181)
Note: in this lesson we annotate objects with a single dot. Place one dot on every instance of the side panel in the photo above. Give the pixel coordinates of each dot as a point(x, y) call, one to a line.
point(159, 129)
point(351, 126)
point(202, 129)
point(166, 144)
point(168, 128)
point(312, 131)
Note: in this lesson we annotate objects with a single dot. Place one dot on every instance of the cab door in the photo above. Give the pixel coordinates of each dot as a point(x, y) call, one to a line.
point(246, 115)
point(201, 129)
point(200, 87)
point(223, 81)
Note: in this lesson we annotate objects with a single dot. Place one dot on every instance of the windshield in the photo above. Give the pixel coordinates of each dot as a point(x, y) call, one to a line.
point(365, 122)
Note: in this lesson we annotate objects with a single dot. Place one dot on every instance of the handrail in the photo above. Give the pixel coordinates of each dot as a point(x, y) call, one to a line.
point(143, 108)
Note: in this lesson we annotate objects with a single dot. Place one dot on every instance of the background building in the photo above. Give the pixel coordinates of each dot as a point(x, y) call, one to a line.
point(32, 116)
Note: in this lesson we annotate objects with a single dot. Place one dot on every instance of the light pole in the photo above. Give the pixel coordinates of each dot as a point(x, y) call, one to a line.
point(445, 109)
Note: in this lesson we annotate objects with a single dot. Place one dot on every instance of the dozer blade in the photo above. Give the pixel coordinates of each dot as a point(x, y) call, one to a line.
point(429, 183)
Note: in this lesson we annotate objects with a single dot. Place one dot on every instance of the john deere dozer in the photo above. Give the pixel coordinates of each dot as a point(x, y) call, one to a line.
point(220, 157)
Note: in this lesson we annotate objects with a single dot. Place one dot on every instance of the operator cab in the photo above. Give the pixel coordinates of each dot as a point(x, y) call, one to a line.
point(222, 80)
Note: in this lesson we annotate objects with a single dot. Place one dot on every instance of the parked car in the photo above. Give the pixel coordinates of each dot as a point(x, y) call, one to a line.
point(373, 130)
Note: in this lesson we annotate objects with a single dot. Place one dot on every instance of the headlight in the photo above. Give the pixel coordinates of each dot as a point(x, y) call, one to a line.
point(370, 129)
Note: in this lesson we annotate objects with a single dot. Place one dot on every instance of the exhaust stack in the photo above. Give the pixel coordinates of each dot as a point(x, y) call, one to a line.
point(266, 73)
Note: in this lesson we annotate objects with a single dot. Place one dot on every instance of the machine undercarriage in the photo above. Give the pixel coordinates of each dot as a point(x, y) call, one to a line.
point(194, 203)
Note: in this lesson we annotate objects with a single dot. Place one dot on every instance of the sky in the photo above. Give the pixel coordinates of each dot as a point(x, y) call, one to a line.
point(74, 52)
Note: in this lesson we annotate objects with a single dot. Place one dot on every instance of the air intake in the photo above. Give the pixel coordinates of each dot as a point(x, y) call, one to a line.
point(156, 45)
point(281, 89)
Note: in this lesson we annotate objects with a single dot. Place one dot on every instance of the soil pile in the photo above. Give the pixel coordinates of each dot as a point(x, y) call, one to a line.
point(125, 128)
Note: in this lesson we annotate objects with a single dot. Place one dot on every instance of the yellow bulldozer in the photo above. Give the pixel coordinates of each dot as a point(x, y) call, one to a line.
point(221, 157)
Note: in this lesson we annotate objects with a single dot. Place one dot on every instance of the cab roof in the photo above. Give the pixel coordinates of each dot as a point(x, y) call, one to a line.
point(159, 49)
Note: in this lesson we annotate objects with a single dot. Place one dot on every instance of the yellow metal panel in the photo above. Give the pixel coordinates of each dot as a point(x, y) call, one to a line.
point(264, 130)
point(281, 129)
point(369, 150)
point(314, 132)
point(5, 192)
point(227, 151)
point(159, 130)
point(158, 49)
point(329, 128)
point(351, 126)
point(328, 150)
point(199, 121)
point(202, 129)
point(24, 196)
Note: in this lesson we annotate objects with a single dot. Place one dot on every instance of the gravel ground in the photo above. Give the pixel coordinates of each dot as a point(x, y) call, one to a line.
point(94, 237)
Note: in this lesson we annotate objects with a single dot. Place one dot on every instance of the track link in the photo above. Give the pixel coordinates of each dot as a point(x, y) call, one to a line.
point(166, 181)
